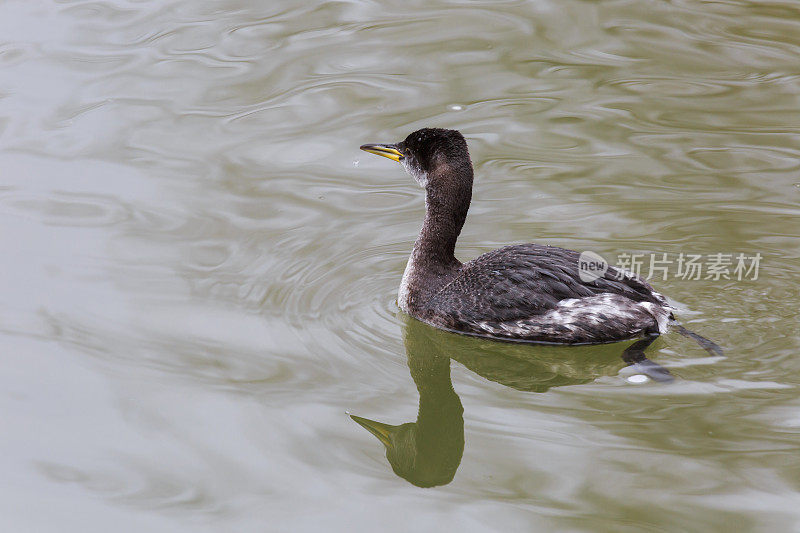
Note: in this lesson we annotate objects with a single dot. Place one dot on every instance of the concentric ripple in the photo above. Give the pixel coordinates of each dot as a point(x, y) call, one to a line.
point(199, 267)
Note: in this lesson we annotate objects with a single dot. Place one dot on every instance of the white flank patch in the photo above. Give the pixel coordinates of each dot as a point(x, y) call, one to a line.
point(403, 292)
point(660, 313)
point(620, 314)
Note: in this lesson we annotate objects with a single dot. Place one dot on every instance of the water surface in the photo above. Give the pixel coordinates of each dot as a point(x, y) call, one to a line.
point(199, 267)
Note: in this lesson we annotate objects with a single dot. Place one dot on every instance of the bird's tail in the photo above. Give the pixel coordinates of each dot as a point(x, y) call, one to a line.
point(708, 345)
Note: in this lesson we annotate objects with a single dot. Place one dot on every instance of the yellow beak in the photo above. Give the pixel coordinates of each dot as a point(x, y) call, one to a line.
point(379, 429)
point(385, 150)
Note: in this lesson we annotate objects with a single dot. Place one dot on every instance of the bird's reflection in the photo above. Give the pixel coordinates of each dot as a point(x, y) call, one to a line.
point(427, 452)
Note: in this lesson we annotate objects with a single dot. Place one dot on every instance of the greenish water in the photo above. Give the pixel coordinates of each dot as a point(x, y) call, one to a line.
point(199, 267)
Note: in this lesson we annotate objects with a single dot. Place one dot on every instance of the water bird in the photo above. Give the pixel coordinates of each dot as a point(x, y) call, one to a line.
point(523, 292)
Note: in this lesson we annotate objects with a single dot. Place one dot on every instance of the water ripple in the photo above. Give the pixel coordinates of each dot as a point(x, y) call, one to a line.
point(187, 230)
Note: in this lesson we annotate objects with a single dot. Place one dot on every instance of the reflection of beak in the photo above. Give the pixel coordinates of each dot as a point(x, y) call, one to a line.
point(379, 429)
point(386, 150)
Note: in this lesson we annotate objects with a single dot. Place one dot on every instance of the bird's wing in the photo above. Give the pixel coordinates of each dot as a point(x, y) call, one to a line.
point(526, 280)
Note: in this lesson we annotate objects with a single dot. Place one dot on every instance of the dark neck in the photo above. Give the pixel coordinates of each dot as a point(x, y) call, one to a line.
point(446, 205)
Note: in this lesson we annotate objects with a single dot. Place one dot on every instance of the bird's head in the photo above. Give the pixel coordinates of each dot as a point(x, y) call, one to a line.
point(427, 154)
point(420, 460)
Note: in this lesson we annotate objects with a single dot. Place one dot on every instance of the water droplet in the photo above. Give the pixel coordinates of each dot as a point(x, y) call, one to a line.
point(638, 378)
point(455, 107)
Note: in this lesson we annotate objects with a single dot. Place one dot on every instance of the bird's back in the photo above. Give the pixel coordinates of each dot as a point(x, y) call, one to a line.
point(534, 292)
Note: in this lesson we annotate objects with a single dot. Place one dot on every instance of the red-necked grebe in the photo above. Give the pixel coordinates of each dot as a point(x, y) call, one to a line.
point(525, 292)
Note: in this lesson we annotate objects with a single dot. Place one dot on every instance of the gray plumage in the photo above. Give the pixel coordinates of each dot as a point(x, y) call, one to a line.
point(526, 292)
